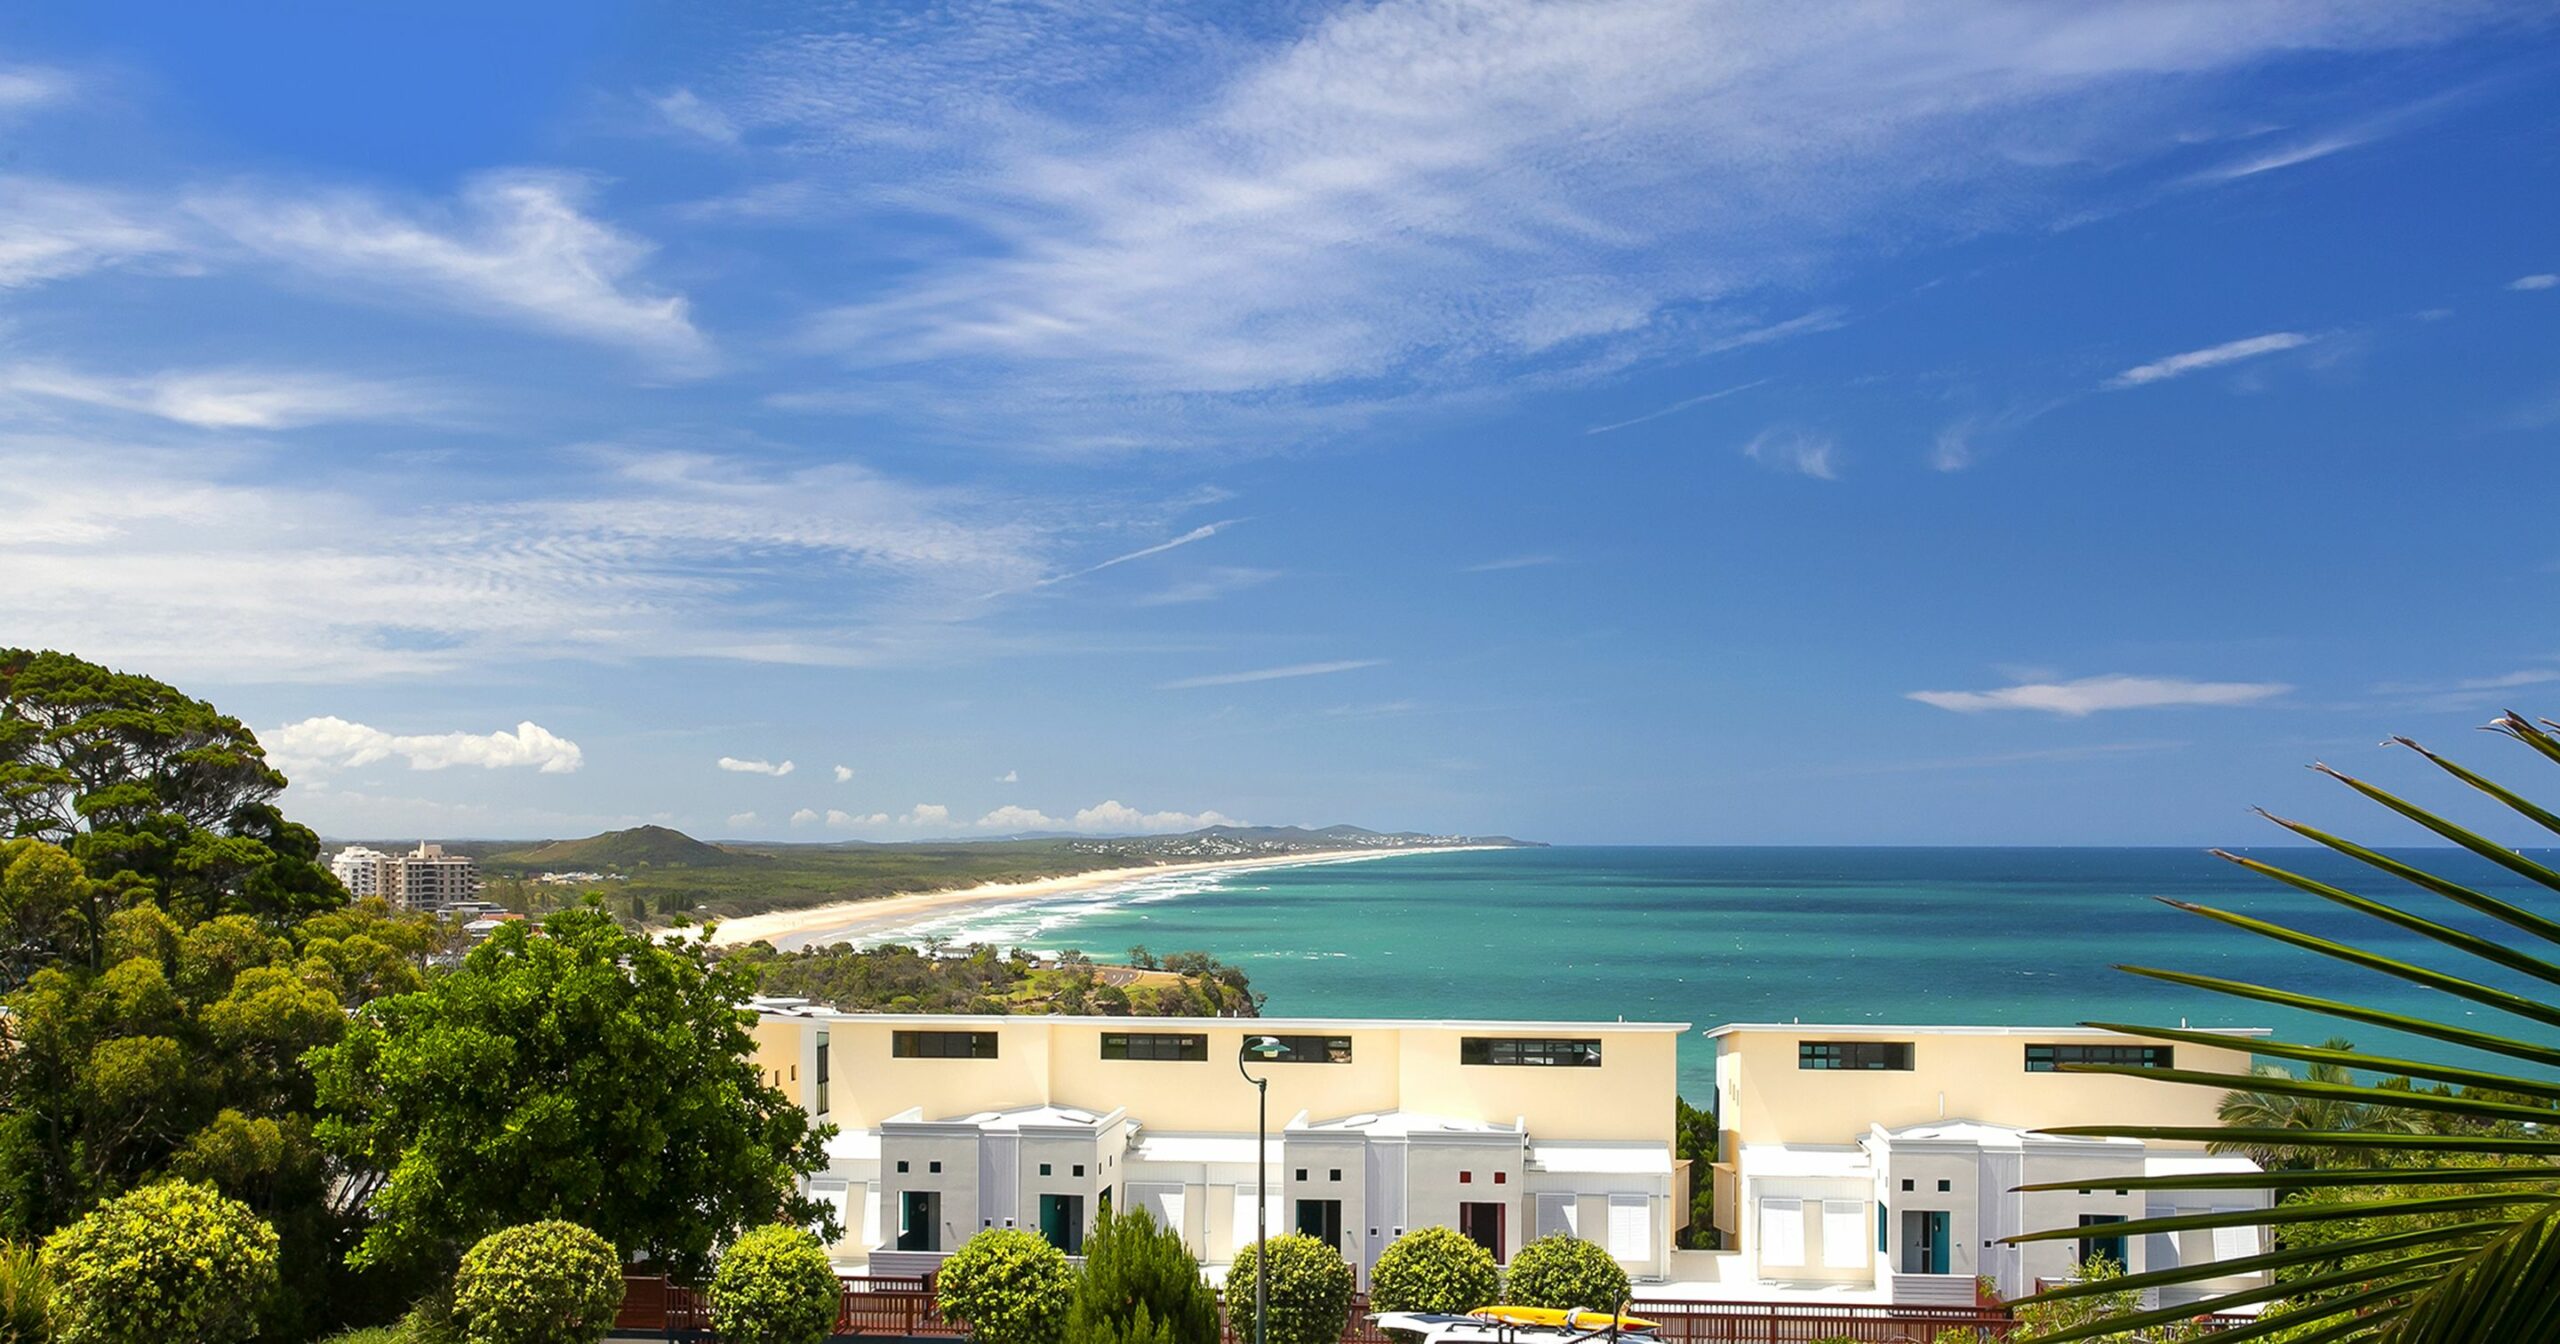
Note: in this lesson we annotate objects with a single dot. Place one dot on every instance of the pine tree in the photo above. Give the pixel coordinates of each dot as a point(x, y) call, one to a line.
point(1140, 1285)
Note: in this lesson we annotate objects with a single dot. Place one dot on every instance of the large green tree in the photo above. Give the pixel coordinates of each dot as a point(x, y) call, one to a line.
point(581, 1070)
point(159, 796)
point(2429, 1211)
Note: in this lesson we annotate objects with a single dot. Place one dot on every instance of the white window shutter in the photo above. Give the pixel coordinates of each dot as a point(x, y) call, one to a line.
point(1844, 1233)
point(1781, 1231)
point(2233, 1243)
point(1631, 1227)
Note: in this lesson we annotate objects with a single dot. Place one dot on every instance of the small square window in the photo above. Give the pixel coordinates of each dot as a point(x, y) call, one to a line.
point(902, 1164)
point(1079, 1169)
point(1502, 1178)
point(933, 1166)
point(1946, 1185)
point(1302, 1173)
point(1906, 1184)
point(1466, 1178)
point(2124, 1192)
point(1044, 1168)
point(1337, 1174)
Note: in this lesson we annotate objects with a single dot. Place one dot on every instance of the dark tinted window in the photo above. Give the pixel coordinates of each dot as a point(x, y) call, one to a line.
point(1531, 1050)
point(1853, 1055)
point(2047, 1058)
point(943, 1044)
point(1153, 1045)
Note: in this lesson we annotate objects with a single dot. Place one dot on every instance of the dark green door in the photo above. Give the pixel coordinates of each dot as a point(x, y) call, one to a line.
point(1062, 1222)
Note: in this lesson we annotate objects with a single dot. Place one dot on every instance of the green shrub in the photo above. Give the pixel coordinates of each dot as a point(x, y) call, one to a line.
point(175, 1261)
point(775, 1285)
point(22, 1294)
point(1435, 1269)
point(550, 1282)
point(1140, 1285)
point(1565, 1271)
point(371, 1334)
point(1309, 1295)
point(1007, 1286)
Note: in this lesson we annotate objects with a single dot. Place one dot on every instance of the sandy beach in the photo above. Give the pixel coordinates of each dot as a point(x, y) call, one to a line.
point(853, 921)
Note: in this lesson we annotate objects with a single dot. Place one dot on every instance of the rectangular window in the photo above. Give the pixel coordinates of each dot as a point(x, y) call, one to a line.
point(1631, 1227)
point(1310, 1050)
point(942, 1044)
point(1153, 1045)
point(2048, 1058)
point(821, 1107)
point(2112, 1248)
point(1854, 1055)
point(1529, 1050)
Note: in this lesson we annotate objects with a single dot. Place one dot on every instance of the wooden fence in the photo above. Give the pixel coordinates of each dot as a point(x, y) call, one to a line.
point(903, 1308)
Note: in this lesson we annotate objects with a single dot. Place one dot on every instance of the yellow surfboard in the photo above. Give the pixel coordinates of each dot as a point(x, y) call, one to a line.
point(1560, 1318)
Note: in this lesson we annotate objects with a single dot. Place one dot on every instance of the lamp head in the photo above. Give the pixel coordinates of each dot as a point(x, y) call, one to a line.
point(1264, 1047)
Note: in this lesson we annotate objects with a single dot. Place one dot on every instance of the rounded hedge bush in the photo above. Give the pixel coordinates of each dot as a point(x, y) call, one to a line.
point(550, 1282)
point(1008, 1286)
point(775, 1285)
point(1309, 1298)
point(1434, 1269)
point(1565, 1271)
point(174, 1261)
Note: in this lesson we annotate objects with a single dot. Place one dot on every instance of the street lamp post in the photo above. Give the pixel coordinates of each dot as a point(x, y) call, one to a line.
point(1267, 1048)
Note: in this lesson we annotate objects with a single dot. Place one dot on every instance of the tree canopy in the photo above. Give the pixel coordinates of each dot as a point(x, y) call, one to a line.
point(582, 1070)
point(159, 797)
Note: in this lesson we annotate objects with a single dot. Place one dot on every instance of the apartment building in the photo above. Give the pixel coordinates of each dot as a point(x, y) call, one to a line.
point(427, 878)
point(1883, 1163)
point(366, 872)
point(1506, 1131)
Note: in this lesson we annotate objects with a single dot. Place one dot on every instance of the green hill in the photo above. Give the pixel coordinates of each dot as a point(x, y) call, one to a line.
point(613, 851)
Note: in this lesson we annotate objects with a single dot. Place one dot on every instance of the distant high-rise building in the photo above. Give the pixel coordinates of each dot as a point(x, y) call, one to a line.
point(365, 872)
point(429, 878)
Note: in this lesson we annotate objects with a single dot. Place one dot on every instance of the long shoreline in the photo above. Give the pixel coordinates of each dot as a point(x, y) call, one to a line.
point(852, 921)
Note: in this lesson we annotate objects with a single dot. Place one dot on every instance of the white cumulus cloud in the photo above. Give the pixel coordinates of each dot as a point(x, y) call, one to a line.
point(1013, 818)
point(330, 742)
point(926, 814)
point(807, 816)
point(735, 765)
point(2089, 695)
point(742, 819)
point(1118, 817)
point(844, 774)
point(1010, 777)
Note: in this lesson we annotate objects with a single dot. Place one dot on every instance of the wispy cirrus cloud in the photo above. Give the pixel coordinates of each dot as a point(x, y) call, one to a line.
point(232, 398)
point(1676, 407)
point(1787, 448)
point(1306, 205)
point(1208, 585)
point(24, 87)
point(1532, 560)
point(1197, 534)
point(329, 742)
point(51, 230)
point(2525, 284)
point(518, 246)
point(2210, 357)
point(2091, 695)
point(1293, 670)
point(740, 766)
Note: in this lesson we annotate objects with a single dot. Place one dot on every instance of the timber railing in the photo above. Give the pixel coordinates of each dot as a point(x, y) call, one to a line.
point(892, 1308)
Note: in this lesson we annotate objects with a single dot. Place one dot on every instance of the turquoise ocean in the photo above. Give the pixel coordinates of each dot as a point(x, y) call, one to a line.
point(1707, 936)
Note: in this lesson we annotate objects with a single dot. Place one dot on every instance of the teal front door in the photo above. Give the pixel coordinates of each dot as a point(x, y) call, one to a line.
point(1062, 1222)
point(1924, 1241)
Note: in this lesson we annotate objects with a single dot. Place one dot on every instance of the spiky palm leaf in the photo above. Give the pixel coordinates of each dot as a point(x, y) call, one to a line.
point(2469, 1245)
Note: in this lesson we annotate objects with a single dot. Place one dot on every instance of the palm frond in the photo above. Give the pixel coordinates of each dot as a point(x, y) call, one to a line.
point(2430, 1212)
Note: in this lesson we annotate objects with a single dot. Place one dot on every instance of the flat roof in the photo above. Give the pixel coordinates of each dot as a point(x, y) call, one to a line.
point(1251, 1025)
point(1893, 1029)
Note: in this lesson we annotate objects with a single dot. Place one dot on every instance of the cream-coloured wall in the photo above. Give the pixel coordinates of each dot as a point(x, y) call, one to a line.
point(1410, 1067)
point(1764, 1098)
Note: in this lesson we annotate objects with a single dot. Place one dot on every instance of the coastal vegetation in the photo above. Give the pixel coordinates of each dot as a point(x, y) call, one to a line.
point(549, 1282)
point(167, 1262)
point(1562, 1270)
point(935, 979)
point(2422, 1206)
point(774, 1285)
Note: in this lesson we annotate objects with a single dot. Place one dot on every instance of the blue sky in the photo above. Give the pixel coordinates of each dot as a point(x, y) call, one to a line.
point(1625, 421)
